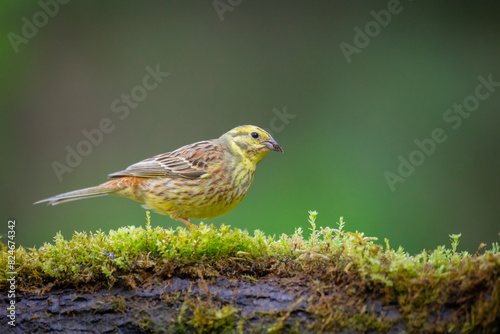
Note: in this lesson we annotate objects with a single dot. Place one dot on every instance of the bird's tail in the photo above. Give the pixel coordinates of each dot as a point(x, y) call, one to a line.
point(100, 190)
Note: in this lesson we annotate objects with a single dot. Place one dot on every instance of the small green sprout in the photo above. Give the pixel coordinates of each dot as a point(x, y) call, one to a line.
point(495, 247)
point(312, 220)
point(341, 225)
point(250, 278)
point(455, 241)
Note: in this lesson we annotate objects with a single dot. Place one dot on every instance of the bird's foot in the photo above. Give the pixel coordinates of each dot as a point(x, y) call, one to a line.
point(188, 223)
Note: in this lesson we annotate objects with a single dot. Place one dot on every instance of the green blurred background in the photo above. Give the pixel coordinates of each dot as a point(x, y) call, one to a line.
point(352, 120)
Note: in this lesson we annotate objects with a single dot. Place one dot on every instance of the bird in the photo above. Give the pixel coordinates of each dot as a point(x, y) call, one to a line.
point(202, 180)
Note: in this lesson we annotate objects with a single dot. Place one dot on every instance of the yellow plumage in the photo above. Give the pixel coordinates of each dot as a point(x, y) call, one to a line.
point(204, 180)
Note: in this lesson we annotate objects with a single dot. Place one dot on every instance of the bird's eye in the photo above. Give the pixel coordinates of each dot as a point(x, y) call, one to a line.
point(255, 135)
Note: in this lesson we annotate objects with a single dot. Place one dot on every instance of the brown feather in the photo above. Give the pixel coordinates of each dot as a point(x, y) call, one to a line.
point(190, 161)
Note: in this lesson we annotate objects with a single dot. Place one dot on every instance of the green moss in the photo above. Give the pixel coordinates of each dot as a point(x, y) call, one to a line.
point(350, 273)
point(118, 304)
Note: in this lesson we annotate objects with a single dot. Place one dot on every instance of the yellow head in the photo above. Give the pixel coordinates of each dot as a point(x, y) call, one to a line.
point(249, 142)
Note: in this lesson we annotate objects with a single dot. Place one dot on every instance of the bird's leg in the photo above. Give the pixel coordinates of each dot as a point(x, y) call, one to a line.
point(187, 222)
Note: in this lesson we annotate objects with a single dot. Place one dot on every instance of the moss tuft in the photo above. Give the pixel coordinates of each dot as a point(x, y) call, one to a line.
point(355, 282)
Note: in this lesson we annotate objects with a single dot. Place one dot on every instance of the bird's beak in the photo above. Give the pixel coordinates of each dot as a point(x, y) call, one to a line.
point(273, 145)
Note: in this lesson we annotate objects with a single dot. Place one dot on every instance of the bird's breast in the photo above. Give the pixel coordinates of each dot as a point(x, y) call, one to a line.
point(241, 176)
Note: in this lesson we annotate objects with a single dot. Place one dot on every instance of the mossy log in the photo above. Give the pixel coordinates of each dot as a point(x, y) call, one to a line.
point(224, 280)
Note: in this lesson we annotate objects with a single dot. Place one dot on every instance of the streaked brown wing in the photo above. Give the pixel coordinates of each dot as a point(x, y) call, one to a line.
point(190, 161)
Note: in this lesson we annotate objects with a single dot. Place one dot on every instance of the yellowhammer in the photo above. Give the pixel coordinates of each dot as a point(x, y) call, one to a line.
point(202, 180)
